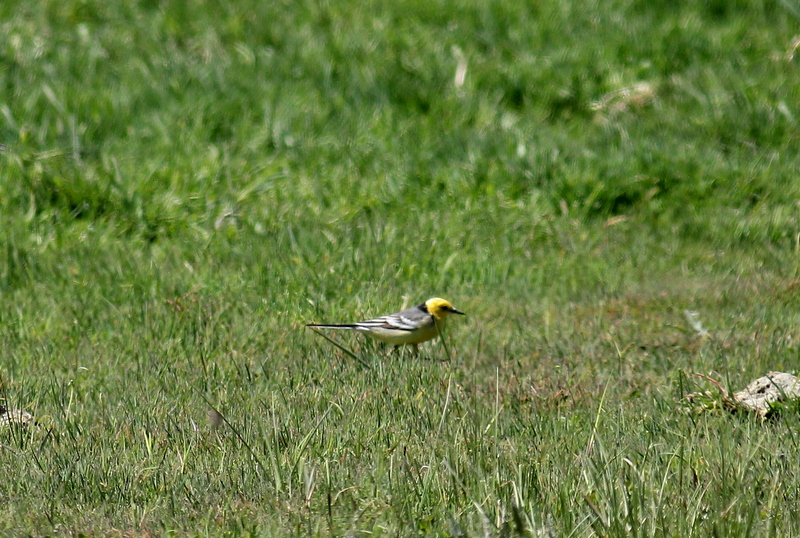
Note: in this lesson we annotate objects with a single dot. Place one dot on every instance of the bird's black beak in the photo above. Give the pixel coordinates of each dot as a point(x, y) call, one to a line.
point(455, 311)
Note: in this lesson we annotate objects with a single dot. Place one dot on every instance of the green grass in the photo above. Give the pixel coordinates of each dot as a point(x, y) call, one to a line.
point(184, 185)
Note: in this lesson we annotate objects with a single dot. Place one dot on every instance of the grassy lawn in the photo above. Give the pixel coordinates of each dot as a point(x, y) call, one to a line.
point(185, 184)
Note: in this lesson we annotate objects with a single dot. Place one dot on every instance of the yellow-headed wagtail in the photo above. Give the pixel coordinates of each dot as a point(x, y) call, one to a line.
point(411, 326)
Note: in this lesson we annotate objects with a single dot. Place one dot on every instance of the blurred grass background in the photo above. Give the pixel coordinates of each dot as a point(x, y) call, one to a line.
point(185, 184)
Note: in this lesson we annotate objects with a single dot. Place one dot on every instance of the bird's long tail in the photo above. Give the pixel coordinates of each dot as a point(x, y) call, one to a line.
point(350, 326)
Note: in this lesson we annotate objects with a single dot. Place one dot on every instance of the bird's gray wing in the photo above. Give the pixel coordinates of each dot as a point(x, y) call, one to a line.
point(407, 320)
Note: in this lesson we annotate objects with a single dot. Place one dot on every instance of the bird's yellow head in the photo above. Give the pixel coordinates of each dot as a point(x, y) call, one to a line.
point(439, 308)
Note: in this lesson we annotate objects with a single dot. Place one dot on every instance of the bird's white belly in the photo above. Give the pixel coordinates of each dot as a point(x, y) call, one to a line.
point(397, 337)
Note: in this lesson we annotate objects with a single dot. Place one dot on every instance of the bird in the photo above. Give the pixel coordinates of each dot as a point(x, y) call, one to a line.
point(411, 326)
